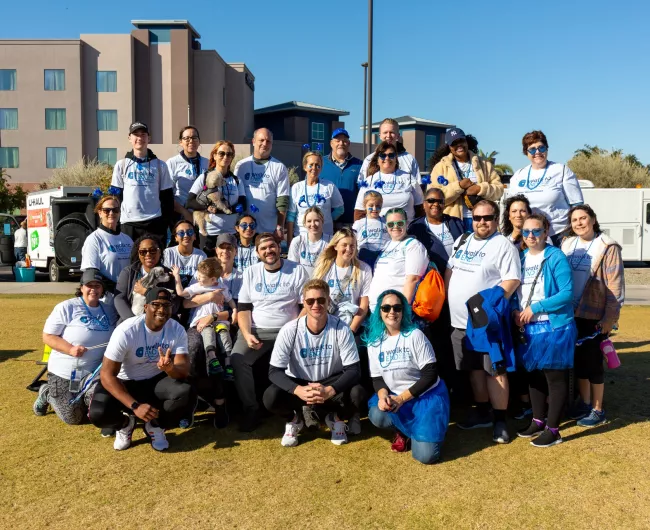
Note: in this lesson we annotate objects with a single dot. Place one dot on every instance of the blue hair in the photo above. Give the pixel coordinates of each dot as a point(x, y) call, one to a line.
point(375, 327)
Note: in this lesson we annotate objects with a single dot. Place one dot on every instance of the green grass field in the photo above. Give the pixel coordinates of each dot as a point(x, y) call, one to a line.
point(57, 476)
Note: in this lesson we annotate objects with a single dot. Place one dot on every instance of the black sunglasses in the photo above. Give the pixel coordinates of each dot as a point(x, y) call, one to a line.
point(479, 218)
point(387, 307)
point(223, 154)
point(311, 301)
point(145, 251)
point(435, 201)
point(384, 156)
point(106, 211)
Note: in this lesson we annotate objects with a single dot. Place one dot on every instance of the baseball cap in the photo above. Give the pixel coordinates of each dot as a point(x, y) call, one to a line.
point(338, 131)
point(230, 239)
point(157, 293)
point(138, 126)
point(91, 275)
point(454, 134)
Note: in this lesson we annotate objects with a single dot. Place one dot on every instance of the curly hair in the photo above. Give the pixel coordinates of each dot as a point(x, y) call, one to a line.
point(506, 224)
point(443, 150)
point(375, 327)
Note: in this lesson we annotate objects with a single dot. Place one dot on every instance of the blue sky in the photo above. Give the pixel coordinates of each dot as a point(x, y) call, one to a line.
point(576, 69)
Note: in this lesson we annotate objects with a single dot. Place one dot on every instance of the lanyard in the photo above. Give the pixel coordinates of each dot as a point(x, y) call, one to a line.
point(469, 240)
point(225, 190)
point(539, 181)
point(382, 184)
point(241, 259)
point(317, 198)
point(577, 267)
point(348, 276)
point(382, 357)
point(308, 254)
point(91, 318)
point(364, 234)
point(442, 234)
point(318, 348)
point(146, 346)
point(266, 288)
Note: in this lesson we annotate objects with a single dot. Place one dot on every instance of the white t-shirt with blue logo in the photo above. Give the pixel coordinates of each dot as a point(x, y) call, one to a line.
point(142, 183)
point(221, 223)
point(136, 347)
point(343, 288)
point(529, 269)
point(80, 325)
point(184, 175)
point(407, 162)
point(306, 252)
point(582, 256)
point(245, 257)
point(479, 264)
point(275, 295)
point(106, 252)
point(443, 235)
point(187, 264)
point(371, 233)
point(399, 190)
point(311, 357)
point(325, 195)
point(263, 184)
point(399, 360)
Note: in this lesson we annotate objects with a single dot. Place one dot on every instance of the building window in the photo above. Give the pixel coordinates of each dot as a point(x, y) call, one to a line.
point(8, 119)
point(318, 146)
point(317, 131)
point(223, 131)
point(159, 36)
point(107, 120)
point(8, 157)
point(431, 142)
point(106, 81)
point(56, 157)
point(224, 96)
point(54, 79)
point(55, 120)
point(107, 155)
point(7, 79)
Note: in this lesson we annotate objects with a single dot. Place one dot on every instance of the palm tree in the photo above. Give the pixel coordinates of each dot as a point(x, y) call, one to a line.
point(589, 150)
point(491, 156)
point(503, 169)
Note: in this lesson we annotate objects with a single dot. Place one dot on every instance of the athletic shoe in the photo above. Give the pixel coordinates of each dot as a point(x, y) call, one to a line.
point(312, 421)
point(579, 410)
point(107, 432)
point(547, 439)
point(186, 423)
point(123, 436)
point(500, 433)
point(476, 421)
point(400, 443)
point(524, 412)
point(229, 373)
point(338, 428)
point(41, 404)
point(214, 367)
point(221, 418)
point(157, 436)
point(534, 429)
point(291, 430)
point(354, 425)
point(594, 419)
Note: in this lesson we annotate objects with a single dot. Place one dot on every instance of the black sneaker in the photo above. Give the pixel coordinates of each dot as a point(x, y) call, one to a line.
point(476, 421)
point(107, 432)
point(250, 422)
point(500, 433)
point(547, 439)
point(534, 429)
point(214, 367)
point(221, 418)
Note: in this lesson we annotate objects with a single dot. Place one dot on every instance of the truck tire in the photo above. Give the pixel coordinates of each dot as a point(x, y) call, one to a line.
point(69, 237)
point(54, 271)
point(6, 242)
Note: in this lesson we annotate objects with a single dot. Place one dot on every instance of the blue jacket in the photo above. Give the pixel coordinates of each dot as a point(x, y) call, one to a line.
point(346, 181)
point(436, 250)
point(558, 288)
point(488, 327)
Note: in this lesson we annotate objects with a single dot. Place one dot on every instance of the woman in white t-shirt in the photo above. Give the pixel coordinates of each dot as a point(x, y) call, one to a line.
point(306, 248)
point(107, 249)
point(78, 331)
point(184, 255)
point(398, 188)
point(552, 188)
point(371, 230)
point(246, 228)
point(348, 279)
point(411, 398)
point(313, 191)
point(401, 263)
point(544, 316)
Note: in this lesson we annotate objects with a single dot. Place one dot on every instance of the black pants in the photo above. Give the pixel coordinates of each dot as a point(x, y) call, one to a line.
point(207, 387)
point(344, 404)
point(439, 335)
point(588, 360)
point(172, 397)
point(555, 385)
point(156, 227)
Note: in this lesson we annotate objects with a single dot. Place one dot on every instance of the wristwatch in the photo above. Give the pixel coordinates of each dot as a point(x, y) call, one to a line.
point(279, 228)
point(134, 405)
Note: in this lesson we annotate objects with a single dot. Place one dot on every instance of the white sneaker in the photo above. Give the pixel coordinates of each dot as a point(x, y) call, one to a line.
point(291, 430)
point(338, 428)
point(123, 436)
point(354, 425)
point(157, 436)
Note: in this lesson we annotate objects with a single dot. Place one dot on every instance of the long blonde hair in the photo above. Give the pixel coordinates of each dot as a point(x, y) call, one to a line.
point(327, 258)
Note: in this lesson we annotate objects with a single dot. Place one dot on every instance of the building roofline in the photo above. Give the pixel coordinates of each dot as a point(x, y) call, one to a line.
point(301, 105)
point(412, 120)
point(167, 23)
point(41, 41)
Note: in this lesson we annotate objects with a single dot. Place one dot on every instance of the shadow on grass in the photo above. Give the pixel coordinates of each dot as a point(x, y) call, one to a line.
point(630, 345)
point(5, 355)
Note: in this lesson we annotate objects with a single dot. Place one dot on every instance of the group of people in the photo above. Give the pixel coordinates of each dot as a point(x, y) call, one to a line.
point(328, 334)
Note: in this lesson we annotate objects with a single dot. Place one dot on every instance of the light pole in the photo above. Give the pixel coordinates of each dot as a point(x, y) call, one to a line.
point(369, 122)
point(365, 103)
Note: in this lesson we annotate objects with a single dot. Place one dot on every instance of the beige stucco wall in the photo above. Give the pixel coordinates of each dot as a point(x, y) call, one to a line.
point(161, 94)
point(209, 80)
point(240, 103)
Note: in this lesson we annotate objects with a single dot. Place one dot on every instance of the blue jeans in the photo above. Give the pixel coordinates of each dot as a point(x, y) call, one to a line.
point(20, 253)
point(424, 452)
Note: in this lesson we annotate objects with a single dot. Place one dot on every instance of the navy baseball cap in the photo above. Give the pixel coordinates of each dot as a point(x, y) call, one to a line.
point(454, 134)
point(338, 131)
point(138, 126)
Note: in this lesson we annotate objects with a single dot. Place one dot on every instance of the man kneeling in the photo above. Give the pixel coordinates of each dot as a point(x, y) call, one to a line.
point(315, 362)
point(142, 372)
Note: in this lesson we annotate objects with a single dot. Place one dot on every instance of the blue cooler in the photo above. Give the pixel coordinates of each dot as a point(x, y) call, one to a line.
point(25, 274)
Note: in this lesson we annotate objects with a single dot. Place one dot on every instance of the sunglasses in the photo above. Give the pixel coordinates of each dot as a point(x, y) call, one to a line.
point(541, 149)
point(486, 218)
point(190, 138)
point(145, 251)
point(535, 231)
point(373, 208)
point(396, 224)
point(435, 201)
point(183, 233)
point(390, 156)
point(397, 308)
point(311, 301)
point(313, 166)
point(159, 305)
point(106, 211)
point(223, 154)
point(246, 226)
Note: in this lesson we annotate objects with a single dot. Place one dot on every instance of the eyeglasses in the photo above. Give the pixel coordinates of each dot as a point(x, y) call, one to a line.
point(106, 211)
point(390, 156)
point(223, 154)
point(396, 224)
point(145, 251)
point(542, 149)
point(486, 218)
point(397, 308)
point(183, 233)
point(160, 305)
point(435, 201)
point(535, 231)
point(248, 226)
point(311, 301)
point(190, 138)
point(313, 166)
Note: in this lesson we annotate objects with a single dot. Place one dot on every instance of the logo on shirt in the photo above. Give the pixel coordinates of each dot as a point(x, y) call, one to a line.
point(531, 272)
point(120, 248)
point(142, 177)
point(151, 352)
point(399, 354)
point(188, 172)
point(94, 323)
point(253, 177)
point(469, 256)
point(322, 350)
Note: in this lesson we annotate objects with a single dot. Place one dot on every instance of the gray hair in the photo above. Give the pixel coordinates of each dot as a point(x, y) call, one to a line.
point(262, 129)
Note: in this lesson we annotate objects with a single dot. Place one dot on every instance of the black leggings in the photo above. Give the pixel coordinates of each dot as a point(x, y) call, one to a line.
point(552, 384)
point(588, 360)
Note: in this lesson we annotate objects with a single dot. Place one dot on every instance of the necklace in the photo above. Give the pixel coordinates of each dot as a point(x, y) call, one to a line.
point(539, 181)
point(266, 287)
point(469, 240)
point(382, 357)
point(577, 266)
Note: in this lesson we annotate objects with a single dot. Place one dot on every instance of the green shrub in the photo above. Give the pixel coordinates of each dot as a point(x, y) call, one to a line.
point(607, 171)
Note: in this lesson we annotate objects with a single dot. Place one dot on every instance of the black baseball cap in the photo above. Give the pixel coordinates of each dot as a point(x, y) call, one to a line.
point(91, 275)
point(138, 126)
point(157, 293)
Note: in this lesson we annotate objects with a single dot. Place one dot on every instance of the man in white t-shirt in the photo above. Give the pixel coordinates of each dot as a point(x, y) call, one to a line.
point(480, 261)
point(269, 298)
point(266, 183)
point(143, 374)
point(315, 362)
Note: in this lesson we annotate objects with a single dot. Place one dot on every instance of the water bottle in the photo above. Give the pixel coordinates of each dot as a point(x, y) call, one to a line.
point(610, 354)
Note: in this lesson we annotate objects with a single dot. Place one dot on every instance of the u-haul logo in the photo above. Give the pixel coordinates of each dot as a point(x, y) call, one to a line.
point(35, 201)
